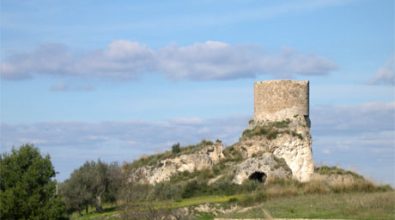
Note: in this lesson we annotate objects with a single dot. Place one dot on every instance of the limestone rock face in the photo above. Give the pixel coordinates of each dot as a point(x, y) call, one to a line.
point(266, 164)
point(204, 158)
point(277, 101)
point(292, 142)
point(280, 129)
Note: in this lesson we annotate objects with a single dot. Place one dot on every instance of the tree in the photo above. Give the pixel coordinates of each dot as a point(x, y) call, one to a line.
point(27, 187)
point(175, 149)
point(90, 185)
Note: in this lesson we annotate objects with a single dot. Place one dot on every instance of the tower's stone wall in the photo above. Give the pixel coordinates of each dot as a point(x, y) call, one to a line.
point(280, 99)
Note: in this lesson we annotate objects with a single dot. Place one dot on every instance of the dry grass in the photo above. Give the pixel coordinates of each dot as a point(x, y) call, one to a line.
point(321, 184)
point(353, 205)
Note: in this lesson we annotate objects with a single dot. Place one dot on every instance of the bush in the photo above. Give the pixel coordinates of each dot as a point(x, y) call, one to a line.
point(327, 170)
point(295, 134)
point(281, 124)
point(231, 154)
point(194, 188)
point(233, 200)
point(148, 212)
point(253, 198)
point(166, 191)
point(272, 134)
point(271, 130)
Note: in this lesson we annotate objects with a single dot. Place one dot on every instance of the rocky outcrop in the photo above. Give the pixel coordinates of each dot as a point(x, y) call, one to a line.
point(288, 139)
point(262, 168)
point(203, 158)
point(280, 129)
point(272, 149)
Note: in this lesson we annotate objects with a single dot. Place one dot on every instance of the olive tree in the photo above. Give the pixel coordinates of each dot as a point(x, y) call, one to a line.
point(91, 185)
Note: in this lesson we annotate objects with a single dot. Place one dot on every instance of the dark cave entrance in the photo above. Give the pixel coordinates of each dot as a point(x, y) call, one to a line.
point(258, 176)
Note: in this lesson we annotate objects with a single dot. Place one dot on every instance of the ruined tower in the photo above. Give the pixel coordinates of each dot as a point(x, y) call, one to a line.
point(287, 101)
point(280, 99)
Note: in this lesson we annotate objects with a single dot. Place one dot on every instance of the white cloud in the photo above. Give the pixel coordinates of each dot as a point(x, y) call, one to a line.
point(359, 136)
point(385, 75)
point(351, 119)
point(63, 87)
point(211, 60)
point(50, 59)
point(72, 143)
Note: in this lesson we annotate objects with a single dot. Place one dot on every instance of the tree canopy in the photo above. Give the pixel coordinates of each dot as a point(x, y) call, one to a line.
point(90, 185)
point(27, 187)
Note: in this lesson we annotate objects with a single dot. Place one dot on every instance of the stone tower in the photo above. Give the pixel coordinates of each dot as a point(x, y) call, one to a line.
point(287, 100)
point(280, 99)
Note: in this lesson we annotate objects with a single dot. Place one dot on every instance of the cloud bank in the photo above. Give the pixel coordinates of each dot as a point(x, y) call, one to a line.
point(126, 60)
point(360, 137)
point(385, 75)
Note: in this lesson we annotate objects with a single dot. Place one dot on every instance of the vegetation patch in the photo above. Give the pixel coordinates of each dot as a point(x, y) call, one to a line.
point(232, 155)
point(271, 130)
point(175, 151)
point(281, 124)
point(98, 190)
point(296, 134)
point(190, 189)
point(334, 170)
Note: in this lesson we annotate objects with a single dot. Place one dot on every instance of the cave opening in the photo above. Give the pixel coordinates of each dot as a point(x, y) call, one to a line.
point(258, 176)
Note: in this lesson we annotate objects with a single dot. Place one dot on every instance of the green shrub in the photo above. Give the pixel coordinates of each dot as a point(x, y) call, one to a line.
point(224, 187)
point(281, 124)
point(256, 131)
point(232, 155)
point(327, 170)
point(166, 191)
point(233, 200)
point(175, 149)
point(272, 134)
point(295, 134)
point(271, 130)
point(253, 198)
point(194, 188)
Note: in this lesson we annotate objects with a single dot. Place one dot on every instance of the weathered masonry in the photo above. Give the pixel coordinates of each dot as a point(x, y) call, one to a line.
point(280, 99)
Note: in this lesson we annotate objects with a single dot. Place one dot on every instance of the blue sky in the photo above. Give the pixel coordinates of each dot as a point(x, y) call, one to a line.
point(118, 79)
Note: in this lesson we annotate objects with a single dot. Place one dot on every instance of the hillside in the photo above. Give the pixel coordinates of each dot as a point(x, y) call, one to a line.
point(208, 180)
point(332, 193)
point(269, 172)
point(266, 151)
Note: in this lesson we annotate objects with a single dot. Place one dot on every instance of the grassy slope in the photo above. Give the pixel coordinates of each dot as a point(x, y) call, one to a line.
point(378, 205)
point(287, 199)
point(161, 204)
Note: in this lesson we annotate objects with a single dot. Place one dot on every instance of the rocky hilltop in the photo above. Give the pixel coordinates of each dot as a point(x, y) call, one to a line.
point(193, 158)
point(289, 139)
point(276, 143)
point(265, 151)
